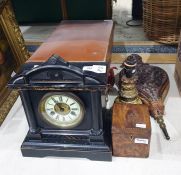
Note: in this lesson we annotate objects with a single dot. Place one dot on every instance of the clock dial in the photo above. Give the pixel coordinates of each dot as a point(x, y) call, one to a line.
point(64, 110)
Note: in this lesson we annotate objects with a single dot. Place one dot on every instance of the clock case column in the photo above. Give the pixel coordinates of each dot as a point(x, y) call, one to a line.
point(58, 75)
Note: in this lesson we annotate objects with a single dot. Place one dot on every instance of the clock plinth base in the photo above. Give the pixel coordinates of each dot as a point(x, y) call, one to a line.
point(92, 151)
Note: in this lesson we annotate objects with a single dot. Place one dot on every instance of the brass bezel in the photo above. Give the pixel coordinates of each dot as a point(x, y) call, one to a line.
point(48, 120)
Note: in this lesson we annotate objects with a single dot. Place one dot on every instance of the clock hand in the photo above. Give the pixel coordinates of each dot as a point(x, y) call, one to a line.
point(62, 108)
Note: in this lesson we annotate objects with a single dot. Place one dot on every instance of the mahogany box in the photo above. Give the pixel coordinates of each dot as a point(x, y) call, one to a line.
point(131, 130)
point(178, 67)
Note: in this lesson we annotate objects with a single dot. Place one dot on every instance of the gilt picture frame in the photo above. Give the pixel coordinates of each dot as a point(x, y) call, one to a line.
point(13, 54)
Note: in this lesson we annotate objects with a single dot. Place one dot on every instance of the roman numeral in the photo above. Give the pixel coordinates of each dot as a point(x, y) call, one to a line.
point(50, 104)
point(74, 109)
point(60, 98)
point(55, 101)
point(50, 109)
point(52, 113)
point(72, 104)
point(57, 117)
point(67, 100)
point(73, 113)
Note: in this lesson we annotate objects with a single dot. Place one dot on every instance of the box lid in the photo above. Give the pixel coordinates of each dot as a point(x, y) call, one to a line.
point(78, 41)
point(130, 118)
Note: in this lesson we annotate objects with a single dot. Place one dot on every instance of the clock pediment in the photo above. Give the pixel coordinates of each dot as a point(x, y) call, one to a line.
point(56, 72)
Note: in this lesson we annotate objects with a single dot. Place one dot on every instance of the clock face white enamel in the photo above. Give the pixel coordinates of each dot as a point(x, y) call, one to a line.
point(64, 110)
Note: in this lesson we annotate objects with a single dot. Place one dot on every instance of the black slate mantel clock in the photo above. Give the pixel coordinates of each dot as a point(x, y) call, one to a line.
point(65, 110)
point(63, 88)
